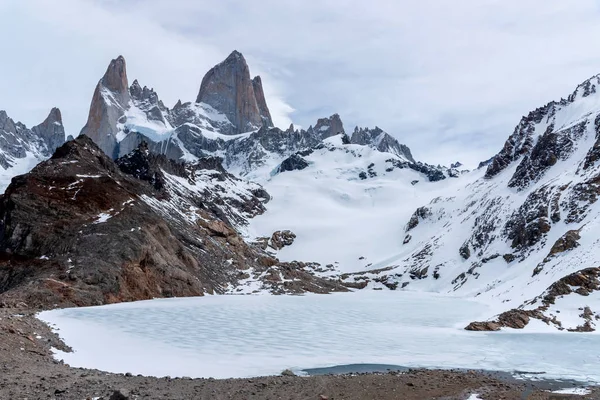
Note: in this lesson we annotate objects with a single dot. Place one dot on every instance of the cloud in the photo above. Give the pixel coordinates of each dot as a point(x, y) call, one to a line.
point(449, 79)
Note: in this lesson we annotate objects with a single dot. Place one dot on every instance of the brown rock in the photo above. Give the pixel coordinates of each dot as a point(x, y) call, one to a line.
point(109, 102)
point(568, 241)
point(483, 326)
point(281, 239)
point(227, 87)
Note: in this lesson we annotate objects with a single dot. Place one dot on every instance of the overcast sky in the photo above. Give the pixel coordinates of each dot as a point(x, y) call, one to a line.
point(450, 79)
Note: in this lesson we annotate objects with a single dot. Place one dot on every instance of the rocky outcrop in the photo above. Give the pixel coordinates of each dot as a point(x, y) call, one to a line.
point(80, 229)
point(292, 163)
point(521, 141)
point(581, 283)
point(228, 88)
point(420, 214)
point(515, 319)
point(281, 239)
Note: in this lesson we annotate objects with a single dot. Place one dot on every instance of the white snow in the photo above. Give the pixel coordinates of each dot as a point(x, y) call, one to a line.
point(19, 166)
point(242, 336)
point(577, 391)
point(338, 217)
point(474, 396)
point(102, 217)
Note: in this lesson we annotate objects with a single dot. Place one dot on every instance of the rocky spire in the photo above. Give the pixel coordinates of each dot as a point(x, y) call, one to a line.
point(115, 79)
point(327, 127)
point(51, 131)
point(259, 94)
point(110, 100)
point(227, 87)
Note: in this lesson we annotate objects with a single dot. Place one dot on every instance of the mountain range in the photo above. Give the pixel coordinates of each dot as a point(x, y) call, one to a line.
point(210, 197)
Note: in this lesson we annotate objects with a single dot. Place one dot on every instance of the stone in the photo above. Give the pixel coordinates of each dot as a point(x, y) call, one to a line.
point(121, 394)
point(293, 163)
point(420, 214)
point(281, 239)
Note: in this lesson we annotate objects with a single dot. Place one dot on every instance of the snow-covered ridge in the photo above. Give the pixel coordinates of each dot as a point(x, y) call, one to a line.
point(192, 130)
point(22, 148)
point(502, 237)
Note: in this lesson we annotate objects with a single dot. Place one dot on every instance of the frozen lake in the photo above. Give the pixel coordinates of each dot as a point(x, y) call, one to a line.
point(243, 336)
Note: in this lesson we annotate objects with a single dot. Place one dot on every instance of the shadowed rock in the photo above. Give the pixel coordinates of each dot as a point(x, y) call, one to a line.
point(228, 88)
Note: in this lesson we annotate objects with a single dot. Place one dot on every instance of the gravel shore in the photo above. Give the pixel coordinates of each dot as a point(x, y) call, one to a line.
point(28, 371)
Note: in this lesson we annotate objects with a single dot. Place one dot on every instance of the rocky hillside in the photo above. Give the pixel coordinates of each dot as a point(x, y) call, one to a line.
point(82, 229)
point(525, 234)
point(21, 148)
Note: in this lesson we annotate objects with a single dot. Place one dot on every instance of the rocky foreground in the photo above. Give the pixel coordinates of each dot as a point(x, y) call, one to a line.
point(28, 371)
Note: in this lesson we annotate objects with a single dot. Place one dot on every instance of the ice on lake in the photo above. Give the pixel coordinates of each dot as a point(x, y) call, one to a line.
point(244, 336)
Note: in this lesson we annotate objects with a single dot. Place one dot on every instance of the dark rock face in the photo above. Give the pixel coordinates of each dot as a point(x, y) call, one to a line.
point(520, 142)
point(382, 141)
point(80, 229)
point(550, 148)
point(293, 163)
point(528, 225)
point(420, 214)
point(432, 173)
point(227, 87)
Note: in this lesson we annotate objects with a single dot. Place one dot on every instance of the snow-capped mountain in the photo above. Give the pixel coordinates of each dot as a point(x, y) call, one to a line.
point(520, 231)
point(524, 232)
point(229, 119)
point(22, 148)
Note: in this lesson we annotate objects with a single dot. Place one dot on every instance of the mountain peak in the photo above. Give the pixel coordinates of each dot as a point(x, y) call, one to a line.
point(54, 116)
point(51, 131)
point(115, 77)
point(110, 99)
point(228, 88)
point(235, 56)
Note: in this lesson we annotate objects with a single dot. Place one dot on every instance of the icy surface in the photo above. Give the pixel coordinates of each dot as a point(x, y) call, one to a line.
point(577, 391)
point(241, 336)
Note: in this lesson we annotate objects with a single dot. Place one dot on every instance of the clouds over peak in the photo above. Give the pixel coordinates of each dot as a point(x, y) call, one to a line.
point(449, 79)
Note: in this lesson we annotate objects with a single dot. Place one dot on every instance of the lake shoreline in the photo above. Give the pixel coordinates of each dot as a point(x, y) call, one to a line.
point(29, 370)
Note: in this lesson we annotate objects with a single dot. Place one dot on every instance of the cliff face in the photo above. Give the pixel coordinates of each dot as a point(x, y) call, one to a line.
point(109, 103)
point(228, 88)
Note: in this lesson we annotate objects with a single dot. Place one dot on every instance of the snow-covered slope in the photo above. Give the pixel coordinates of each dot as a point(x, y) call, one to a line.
point(346, 204)
point(530, 221)
point(22, 148)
